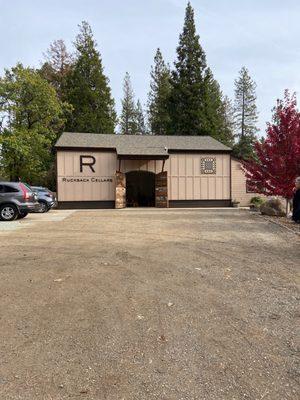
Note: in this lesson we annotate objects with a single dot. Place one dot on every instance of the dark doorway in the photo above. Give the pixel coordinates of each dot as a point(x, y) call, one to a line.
point(140, 189)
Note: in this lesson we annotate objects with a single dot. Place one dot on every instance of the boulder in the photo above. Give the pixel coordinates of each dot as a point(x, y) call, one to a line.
point(272, 207)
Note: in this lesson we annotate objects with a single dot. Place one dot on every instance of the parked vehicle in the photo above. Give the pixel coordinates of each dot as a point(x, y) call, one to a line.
point(16, 201)
point(46, 198)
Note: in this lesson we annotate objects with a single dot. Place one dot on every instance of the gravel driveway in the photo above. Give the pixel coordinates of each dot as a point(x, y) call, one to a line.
point(149, 304)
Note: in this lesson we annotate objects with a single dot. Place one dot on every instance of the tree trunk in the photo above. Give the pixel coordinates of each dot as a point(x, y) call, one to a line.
point(243, 115)
point(287, 208)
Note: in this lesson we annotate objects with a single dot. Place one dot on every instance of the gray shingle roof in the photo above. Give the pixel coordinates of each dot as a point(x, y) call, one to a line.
point(155, 145)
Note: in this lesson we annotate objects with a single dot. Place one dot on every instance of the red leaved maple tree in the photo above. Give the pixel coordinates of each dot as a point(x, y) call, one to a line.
point(277, 165)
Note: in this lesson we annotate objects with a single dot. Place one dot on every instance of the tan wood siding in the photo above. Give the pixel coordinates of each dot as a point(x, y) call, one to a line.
point(68, 167)
point(141, 165)
point(238, 179)
point(187, 183)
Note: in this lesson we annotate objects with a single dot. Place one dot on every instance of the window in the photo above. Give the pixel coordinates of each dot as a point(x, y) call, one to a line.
point(208, 165)
point(38, 189)
point(253, 186)
point(8, 189)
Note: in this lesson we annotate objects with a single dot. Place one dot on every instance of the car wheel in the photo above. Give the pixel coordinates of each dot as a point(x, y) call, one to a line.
point(43, 207)
point(8, 212)
point(22, 215)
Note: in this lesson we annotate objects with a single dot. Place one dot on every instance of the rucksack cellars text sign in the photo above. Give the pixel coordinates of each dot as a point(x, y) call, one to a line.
point(85, 179)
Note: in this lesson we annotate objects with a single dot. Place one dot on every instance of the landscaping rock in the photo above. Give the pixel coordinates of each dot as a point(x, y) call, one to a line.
point(273, 208)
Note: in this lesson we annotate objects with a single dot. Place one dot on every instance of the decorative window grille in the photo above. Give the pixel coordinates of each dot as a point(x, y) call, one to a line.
point(208, 166)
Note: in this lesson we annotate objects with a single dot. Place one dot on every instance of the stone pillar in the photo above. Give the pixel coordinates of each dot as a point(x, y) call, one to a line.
point(161, 190)
point(120, 201)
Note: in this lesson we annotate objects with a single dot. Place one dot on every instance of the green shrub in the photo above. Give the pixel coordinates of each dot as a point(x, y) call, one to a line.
point(257, 201)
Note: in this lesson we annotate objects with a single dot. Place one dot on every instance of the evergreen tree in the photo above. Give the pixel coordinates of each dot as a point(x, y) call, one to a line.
point(186, 99)
point(140, 119)
point(128, 125)
point(245, 114)
point(227, 131)
point(160, 87)
point(88, 90)
point(212, 123)
point(57, 66)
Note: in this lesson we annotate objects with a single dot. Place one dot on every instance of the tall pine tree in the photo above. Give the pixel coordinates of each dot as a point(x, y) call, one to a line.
point(128, 125)
point(57, 67)
point(245, 115)
point(227, 131)
point(186, 107)
point(160, 87)
point(216, 111)
point(88, 88)
point(140, 119)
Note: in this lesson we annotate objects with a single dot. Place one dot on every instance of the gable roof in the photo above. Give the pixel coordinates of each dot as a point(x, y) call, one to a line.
point(139, 145)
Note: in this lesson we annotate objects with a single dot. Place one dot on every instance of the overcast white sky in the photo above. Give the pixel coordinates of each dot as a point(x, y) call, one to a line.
point(263, 35)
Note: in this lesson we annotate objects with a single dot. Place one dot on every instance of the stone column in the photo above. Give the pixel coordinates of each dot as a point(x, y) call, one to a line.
point(161, 190)
point(120, 201)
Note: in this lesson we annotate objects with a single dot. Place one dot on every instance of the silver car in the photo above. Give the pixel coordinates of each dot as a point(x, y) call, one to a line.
point(45, 197)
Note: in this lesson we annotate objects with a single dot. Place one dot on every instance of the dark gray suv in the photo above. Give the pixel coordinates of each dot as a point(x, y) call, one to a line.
point(16, 201)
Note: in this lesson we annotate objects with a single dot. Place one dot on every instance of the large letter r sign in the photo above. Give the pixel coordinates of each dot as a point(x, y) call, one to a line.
point(87, 163)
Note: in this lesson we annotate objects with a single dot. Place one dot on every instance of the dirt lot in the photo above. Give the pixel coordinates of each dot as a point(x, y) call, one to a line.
point(149, 304)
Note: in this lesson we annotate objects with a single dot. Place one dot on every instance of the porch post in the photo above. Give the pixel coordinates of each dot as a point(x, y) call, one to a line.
point(120, 200)
point(161, 190)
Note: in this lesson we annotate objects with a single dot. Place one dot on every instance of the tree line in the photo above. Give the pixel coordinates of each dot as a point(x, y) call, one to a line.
point(188, 99)
point(71, 92)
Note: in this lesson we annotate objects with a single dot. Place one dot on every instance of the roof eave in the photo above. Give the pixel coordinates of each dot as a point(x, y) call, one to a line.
point(199, 151)
point(142, 157)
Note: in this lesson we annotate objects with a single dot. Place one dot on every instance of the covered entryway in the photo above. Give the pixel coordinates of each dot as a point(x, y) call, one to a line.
point(141, 180)
point(140, 189)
